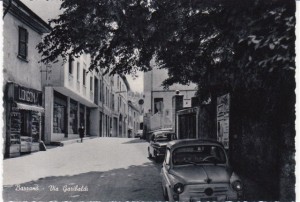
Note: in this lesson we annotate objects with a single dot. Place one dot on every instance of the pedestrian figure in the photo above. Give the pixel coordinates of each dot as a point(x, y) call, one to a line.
point(81, 131)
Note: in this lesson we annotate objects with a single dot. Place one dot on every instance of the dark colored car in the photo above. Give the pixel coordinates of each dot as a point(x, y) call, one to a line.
point(198, 170)
point(158, 142)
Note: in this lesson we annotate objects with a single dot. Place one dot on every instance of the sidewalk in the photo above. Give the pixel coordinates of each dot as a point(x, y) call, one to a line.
point(68, 141)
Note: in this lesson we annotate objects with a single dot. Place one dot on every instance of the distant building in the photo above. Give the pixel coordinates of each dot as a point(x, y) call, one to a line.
point(23, 109)
point(71, 99)
point(158, 108)
point(133, 118)
point(75, 96)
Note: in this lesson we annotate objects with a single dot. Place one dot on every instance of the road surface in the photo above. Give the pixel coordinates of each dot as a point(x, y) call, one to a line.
point(103, 169)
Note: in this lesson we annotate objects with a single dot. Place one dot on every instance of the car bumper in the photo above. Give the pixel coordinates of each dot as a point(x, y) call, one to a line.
point(197, 193)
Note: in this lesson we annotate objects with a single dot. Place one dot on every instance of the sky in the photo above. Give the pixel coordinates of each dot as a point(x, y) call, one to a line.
point(48, 9)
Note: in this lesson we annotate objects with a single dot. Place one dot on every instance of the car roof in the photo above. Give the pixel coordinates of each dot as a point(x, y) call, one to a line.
point(186, 142)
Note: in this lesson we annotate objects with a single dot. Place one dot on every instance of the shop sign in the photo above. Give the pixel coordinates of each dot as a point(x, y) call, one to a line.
point(27, 95)
point(223, 104)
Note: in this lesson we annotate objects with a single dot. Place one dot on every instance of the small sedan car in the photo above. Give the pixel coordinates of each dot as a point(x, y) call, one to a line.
point(139, 134)
point(198, 170)
point(158, 142)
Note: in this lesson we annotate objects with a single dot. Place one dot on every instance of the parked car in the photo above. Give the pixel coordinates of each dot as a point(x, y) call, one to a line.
point(158, 142)
point(198, 170)
point(139, 134)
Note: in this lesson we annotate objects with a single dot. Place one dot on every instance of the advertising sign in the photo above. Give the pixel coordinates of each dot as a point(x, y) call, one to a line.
point(223, 107)
point(27, 95)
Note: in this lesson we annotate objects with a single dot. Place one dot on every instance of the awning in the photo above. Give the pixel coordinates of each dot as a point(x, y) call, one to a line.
point(30, 107)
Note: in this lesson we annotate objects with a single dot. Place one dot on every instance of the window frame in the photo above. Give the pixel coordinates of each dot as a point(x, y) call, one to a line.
point(24, 42)
point(83, 77)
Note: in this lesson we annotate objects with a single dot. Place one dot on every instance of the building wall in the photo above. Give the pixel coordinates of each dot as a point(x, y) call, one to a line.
point(153, 89)
point(23, 72)
point(153, 83)
point(26, 73)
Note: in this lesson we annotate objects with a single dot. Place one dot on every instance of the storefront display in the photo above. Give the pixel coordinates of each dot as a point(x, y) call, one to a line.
point(73, 126)
point(35, 130)
point(60, 114)
point(24, 129)
point(15, 133)
point(59, 118)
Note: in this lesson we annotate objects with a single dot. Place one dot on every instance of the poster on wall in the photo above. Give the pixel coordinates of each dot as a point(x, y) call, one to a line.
point(223, 107)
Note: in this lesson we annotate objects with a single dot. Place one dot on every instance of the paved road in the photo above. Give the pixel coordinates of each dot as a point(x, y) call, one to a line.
point(103, 169)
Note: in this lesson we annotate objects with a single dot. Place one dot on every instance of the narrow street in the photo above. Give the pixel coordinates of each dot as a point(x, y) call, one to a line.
point(97, 169)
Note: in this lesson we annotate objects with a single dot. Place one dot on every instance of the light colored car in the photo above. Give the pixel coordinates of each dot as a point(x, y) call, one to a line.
point(198, 170)
point(139, 134)
point(158, 142)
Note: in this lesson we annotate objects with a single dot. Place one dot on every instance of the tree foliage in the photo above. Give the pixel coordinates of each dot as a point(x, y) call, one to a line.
point(228, 43)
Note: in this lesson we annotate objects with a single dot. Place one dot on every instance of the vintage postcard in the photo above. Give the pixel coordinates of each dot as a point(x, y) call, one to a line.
point(149, 100)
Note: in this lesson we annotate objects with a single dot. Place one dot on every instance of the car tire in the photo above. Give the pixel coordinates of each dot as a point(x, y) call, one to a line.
point(149, 154)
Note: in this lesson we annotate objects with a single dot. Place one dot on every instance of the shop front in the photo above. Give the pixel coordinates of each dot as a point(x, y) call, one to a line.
point(23, 120)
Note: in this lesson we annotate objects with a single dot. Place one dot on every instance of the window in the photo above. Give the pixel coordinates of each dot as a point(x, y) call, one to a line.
point(113, 101)
point(78, 71)
point(83, 76)
point(100, 95)
point(23, 42)
point(71, 64)
point(158, 105)
point(91, 83)
point(73, 120)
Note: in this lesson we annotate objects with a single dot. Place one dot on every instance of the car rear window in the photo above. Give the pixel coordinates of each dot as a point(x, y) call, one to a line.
point(198, 155)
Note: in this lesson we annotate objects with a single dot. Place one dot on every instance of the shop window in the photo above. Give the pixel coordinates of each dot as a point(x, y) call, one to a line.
point(158, 105)
point(23, 43)
point(59, 118)
point(73, 126)
point(35, 126)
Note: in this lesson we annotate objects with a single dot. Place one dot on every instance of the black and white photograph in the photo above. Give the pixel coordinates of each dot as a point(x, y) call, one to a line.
point(149, 100)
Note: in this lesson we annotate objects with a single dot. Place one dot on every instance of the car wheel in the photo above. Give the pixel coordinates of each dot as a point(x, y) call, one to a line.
point(149, 154)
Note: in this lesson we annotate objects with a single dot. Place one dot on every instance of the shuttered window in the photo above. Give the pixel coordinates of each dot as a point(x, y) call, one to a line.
point(23, 41)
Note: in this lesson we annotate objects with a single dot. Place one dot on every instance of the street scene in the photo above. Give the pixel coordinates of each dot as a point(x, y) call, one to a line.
point(149, 100)
point(119, 170)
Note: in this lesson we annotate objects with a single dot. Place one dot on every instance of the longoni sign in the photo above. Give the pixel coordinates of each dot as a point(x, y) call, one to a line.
point(27, 95)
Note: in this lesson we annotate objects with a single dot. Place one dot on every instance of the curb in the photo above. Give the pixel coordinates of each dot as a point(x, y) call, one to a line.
point(67, 142)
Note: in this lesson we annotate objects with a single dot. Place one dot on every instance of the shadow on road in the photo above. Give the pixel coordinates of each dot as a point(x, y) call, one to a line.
point(134, 183)
point(136, 140)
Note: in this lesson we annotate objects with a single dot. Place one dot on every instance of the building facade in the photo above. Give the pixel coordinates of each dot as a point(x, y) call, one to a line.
point(75, 96)
point(23, 110)
point(158, 107)
point(133, 119)
point(50, 102)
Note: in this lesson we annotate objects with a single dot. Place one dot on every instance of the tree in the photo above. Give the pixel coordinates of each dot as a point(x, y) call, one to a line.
point(113, 32)
point(207, 42)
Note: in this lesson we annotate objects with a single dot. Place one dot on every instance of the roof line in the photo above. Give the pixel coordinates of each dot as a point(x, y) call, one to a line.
point(34, 15)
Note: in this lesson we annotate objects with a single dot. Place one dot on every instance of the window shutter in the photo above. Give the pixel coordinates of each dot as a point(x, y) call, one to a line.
point(23, 42)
